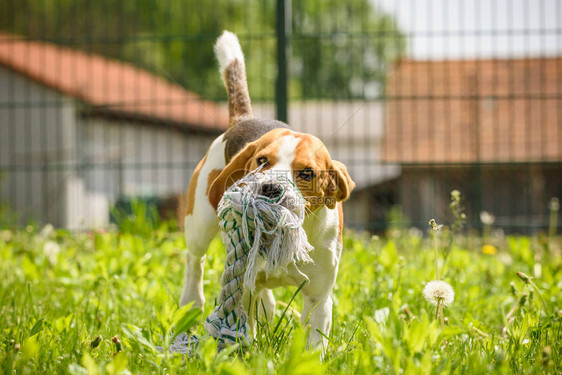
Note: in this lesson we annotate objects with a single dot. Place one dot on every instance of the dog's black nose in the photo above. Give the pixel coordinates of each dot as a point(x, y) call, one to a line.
point(270, 190)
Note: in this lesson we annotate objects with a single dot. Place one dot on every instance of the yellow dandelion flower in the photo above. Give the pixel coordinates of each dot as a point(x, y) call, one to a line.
point(489, 249)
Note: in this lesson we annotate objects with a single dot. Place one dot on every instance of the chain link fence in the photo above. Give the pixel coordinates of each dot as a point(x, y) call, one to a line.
point(102, 102)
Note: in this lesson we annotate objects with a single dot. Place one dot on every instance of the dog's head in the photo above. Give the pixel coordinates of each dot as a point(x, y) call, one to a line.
point(299, 157)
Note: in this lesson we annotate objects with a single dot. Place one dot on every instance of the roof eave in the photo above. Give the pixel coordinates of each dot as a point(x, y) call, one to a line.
point(137, 118)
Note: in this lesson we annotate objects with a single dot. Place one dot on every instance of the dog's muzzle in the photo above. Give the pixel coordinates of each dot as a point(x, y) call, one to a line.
point(271, 190)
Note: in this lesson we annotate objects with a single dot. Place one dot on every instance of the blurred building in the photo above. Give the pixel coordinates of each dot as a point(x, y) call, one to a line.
point(78, 130)
point(490, 128)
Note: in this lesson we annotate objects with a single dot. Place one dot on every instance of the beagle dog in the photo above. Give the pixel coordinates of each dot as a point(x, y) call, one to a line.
point(250, 143)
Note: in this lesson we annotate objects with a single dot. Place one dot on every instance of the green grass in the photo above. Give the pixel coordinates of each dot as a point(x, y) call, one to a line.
point(53, 305)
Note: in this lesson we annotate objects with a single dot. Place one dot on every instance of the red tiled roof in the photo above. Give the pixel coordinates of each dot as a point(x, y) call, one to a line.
point(474, 110)
point(112, 87)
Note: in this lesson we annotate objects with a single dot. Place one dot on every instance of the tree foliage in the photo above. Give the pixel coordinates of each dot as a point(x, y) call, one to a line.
point(339, 48)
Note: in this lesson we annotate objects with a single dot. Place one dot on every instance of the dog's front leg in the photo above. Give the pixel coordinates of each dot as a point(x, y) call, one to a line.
point(317, 313)
point(261, 303)
point(193, 283)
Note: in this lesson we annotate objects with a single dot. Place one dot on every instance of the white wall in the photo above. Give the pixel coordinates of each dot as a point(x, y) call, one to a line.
point(139, 159)
point(37, 149)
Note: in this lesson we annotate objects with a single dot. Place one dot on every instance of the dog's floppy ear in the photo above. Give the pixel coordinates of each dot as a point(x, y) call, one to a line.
point(340, 183)
point(235, 170)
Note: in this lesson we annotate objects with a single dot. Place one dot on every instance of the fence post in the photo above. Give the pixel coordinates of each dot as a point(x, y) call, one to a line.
point(283, 32)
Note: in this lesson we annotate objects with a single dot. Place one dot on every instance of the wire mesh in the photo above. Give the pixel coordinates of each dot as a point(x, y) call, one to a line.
point(104, 101)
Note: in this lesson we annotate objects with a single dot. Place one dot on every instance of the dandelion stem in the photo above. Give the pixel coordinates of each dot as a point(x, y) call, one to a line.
point(512, 311)
point(437, 307)
point(436, 253)
point(528, 280)
point(442, 316)
point(540, 295)
point(554, 206)
point(480, 332)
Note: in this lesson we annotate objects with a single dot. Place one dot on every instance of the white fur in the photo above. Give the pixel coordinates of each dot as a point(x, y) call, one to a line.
point(200, 227)
point(227, 49)
point(285, 157)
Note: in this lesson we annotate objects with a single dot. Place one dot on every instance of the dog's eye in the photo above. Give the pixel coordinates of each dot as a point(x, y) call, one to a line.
point(262, 160)
point(306, 174)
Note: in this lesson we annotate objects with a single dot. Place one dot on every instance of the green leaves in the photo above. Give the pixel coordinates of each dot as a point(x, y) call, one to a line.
point(37, 327)
point(29, 348)
point(137, 339)
point(298, 360)
point(185, 318)
point(416, 335)
point(408, 344)
point(389, 255)
point(118, 364)
point(90, 364)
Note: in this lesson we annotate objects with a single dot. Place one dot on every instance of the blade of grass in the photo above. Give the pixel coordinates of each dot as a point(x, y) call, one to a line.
point(289, 304)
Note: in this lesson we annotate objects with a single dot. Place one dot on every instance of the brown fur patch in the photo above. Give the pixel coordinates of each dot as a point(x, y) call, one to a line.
point(237, 137)
point(340, 220)
point(212, 175)
point(190, 203)
point(311, 153)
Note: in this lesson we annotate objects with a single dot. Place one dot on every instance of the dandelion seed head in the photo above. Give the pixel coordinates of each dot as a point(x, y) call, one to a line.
point(6, 235)
point(455, 195)
point(47, 231)
point(487, 218)
point(554, 204)
point(439, 290)
point(51, 250)
point(434, 226)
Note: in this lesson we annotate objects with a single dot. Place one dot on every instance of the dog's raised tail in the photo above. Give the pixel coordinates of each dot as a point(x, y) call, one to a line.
point(231, 62)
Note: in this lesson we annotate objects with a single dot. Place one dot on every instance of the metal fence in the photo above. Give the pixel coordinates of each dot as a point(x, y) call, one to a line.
point(104, 101)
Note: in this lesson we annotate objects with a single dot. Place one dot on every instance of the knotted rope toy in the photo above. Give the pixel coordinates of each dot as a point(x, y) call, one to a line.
point(255, 226)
